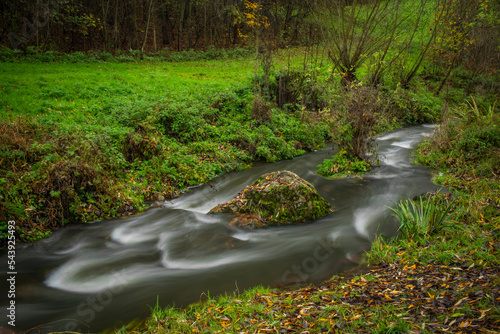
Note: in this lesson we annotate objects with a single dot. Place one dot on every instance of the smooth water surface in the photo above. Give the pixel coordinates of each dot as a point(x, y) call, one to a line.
point(89, 277)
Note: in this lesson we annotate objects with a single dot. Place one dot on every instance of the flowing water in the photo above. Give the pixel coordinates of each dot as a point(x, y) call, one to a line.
point(89, 277)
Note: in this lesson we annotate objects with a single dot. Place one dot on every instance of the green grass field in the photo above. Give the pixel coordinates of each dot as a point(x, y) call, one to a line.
point(77, 90)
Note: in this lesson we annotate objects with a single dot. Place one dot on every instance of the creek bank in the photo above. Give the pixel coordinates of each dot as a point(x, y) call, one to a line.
point(444, 282)
point(277, 198)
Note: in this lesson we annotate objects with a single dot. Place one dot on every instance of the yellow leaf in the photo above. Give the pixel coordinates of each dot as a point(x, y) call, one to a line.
point(464, 324)
point(483, 314)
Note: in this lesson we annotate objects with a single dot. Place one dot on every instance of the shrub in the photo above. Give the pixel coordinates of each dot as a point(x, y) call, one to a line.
point(105, 56)
point(184, 124)
point(47, 57)
point(423, 217)
point(298, 87)
point(361, 108)
point(9, 55)
point(76, 57)
point(416, 107)
point(341, 164)
point(142, 144)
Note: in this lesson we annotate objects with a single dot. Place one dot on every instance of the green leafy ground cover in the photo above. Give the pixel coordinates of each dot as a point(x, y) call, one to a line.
point(341, 165)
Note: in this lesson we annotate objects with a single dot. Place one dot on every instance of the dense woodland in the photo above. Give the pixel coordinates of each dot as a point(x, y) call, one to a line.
point(468, 29)
point(147, 25)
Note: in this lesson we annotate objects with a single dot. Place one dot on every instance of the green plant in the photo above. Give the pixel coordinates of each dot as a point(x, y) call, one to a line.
point(474, 110)
point(424, 217)
point(342, 164)
point(354, 120)
point(105, 56)
point(415, 107)
point(298, 88)
point(32, 236)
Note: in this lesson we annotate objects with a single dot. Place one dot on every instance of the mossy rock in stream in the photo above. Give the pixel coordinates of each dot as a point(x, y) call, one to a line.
point(277, 198)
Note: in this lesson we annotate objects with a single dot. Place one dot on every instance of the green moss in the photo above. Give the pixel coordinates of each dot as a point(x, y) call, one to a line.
point(278, 198)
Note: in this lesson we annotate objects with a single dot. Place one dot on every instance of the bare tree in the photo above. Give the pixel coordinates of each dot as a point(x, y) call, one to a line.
point(354, 30)
point(428, 32)
point(411, 34)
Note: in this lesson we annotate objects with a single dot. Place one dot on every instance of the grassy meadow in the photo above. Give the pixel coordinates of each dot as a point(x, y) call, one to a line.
point(85, 90)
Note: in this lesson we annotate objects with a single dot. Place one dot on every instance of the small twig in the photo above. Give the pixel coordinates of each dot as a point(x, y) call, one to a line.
point(237, 289)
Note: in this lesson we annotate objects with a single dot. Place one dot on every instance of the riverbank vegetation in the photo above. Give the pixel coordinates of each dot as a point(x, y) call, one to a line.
point(439, 274)
point(142, 104)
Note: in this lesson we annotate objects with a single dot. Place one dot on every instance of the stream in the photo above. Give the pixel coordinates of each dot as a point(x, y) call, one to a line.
point(89, 277)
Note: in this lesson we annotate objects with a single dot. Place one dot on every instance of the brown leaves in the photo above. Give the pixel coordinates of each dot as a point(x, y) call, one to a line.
point(443, 298)
point(419, 298)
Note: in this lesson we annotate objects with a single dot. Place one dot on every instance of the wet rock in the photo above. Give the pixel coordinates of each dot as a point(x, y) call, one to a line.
point(277, 198)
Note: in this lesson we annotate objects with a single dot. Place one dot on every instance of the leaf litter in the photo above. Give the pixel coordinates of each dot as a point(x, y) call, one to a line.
point(395, 298)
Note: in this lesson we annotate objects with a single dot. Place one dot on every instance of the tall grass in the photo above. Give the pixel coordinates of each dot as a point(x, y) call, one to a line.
point(423, 217)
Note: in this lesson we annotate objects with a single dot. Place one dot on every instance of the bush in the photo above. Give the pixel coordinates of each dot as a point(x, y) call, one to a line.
point(47, 57)
point(76, 57)
point(361, 107)
point(9, 55)
point(341, 165)
point(105, 56)
point(416, 107)
point(298, 88)
point(424, 217)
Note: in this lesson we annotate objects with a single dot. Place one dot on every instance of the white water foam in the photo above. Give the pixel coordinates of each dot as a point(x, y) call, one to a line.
point(390, 136)
point(405, 144)
point(205, 263)
point(364, 218)
point(73, 276)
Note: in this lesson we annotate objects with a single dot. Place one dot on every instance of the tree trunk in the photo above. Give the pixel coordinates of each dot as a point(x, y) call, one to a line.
point(133, 26)
point(115, 26)
point(165, 28)
point(181, 24)
point(154, 33)
point(147, 25)
point(450, 68)
point(105, 10)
